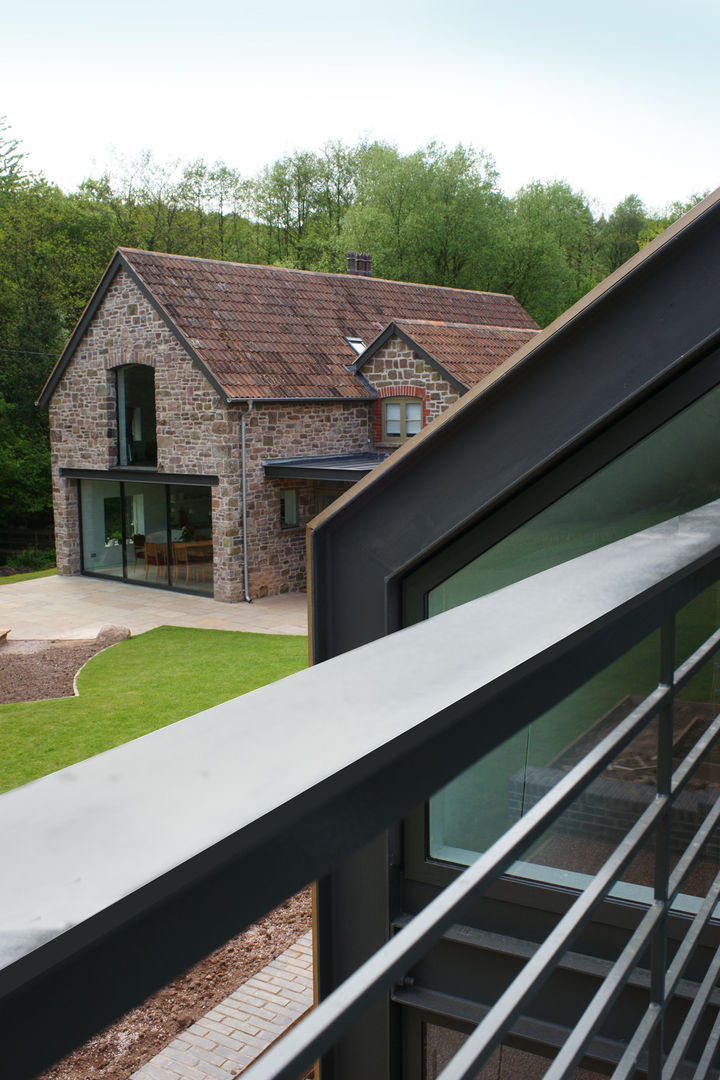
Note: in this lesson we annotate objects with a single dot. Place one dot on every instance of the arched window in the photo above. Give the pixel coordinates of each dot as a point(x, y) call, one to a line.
point(137, 440)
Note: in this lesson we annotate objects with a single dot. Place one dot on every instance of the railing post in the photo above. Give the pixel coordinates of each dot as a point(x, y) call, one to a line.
point(658, 952)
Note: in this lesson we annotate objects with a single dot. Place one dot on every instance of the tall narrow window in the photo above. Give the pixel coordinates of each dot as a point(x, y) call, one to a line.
point(402, 417)
point(137, 441)
point(288, 508)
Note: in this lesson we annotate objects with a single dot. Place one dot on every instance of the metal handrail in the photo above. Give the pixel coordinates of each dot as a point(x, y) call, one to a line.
point(396, 958)
point(319, 1030)
point(286, 824)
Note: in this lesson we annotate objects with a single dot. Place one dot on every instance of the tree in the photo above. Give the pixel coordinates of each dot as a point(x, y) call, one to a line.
point(656, 225)
point(434, 216)
point(551, 255)
point(11, 156)
point(619, 236)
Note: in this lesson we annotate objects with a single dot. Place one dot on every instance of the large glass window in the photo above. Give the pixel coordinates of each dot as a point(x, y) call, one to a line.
point(191, 559)
point(154, 534)
point(137, 441)
point(146, 533)
point(671, 471)
point(102, 528)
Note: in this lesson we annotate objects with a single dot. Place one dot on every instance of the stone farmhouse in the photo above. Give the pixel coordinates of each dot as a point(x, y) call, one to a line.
point(203, 412)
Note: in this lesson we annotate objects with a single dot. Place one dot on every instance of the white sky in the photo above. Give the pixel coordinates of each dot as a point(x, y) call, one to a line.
point(616, 98)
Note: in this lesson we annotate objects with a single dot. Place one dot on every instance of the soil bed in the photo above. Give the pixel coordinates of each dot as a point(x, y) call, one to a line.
point(31, 671)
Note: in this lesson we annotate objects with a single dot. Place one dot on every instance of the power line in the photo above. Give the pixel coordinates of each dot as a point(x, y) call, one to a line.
point(28, 352)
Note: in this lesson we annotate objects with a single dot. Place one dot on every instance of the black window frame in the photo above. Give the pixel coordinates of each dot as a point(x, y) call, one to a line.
point(289, 521)
point(123, 443)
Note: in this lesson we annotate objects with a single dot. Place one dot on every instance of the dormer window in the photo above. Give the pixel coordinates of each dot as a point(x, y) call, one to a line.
point(402, 417)
point(357, 344)
point(137, 441)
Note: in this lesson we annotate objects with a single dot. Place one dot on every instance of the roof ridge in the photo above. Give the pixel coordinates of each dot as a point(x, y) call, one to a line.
point(315, 273)
point(469, 326)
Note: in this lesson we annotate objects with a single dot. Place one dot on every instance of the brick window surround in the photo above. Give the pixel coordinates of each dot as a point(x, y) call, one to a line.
point(402, 413)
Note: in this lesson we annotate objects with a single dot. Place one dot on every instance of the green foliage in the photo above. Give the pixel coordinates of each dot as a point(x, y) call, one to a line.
point(32, 558)
point(654, 226)
point(25, 492)
point(552, 249)
point(619, 236)
point(135, 687)
point(434, 216)
point(11, 156)
point(298, 205)
point(12, 579)
point(437, 215)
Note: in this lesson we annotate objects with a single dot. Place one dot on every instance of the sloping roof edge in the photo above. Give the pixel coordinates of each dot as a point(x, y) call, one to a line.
point(80, 327)
point(119, 262)
point(393, 330)
point(523, 355)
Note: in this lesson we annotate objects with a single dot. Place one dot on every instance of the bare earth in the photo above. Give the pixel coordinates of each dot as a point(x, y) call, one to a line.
point(30, 671)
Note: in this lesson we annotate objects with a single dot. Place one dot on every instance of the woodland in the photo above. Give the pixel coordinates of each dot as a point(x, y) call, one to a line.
point(437, 215)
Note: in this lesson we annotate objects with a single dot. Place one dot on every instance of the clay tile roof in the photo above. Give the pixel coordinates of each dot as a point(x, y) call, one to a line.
point(270, 332)
point(468, 352)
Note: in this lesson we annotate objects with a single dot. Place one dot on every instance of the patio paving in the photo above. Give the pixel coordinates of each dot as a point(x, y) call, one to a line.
point(225, 1041)
point(79, 607)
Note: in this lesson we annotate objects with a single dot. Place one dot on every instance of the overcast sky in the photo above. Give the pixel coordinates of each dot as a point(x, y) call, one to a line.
point(615, 98)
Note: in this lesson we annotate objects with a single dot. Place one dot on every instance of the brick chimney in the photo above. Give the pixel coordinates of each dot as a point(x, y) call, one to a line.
point(359, 265)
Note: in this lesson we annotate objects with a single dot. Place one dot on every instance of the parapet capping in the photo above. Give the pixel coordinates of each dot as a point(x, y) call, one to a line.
point(287, 768)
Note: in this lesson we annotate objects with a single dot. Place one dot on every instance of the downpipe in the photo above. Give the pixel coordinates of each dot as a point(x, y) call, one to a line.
point(246, 575)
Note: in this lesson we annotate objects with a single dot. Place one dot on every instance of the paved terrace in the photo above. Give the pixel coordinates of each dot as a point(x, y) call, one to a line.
point(78, 607)
point(230, 1037)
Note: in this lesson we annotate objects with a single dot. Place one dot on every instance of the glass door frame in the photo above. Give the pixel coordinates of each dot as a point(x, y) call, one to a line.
point(155, 483)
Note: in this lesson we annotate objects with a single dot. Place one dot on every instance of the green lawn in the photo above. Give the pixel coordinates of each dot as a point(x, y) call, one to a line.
point(136, 686)
point(12, 578)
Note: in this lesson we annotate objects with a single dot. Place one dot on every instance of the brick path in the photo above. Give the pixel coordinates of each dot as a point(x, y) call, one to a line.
point(230, 1036)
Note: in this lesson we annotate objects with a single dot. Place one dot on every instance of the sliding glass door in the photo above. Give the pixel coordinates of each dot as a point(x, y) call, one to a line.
point(150, 534)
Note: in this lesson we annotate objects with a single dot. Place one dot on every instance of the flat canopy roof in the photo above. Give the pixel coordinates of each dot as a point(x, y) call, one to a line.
point(347, 468)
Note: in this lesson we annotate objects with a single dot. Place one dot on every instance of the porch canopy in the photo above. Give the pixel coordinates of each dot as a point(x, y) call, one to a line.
point(346, 468)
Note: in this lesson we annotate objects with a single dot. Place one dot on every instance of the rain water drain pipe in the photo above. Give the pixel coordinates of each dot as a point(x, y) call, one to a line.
point(246, 577)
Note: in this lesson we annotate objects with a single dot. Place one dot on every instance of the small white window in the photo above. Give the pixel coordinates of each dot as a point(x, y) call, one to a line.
point(402, 418)
point(357, 343)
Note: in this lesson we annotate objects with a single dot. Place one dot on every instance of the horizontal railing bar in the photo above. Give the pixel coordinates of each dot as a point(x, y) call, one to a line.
point(487, 1034)
point(692, 1019)
point(448, 1007)
point(605, 997)
point(317, 1031)
point(649, 1021)
point(693, 759)
point(706, 1059)
point(521, 949)
point(693, 851)
point(629, 1062)
point(485, 1038)
point(685, 671)
point(698, 924)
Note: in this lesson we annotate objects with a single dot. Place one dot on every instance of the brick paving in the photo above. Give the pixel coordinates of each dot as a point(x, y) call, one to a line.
point(229, 1038)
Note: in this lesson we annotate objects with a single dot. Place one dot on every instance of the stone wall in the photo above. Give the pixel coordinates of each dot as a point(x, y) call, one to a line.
point(197, 433)
point(276, 556)
point(396, 371)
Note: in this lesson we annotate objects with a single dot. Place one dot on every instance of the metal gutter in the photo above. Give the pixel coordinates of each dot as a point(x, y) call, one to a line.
point(141, 476)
